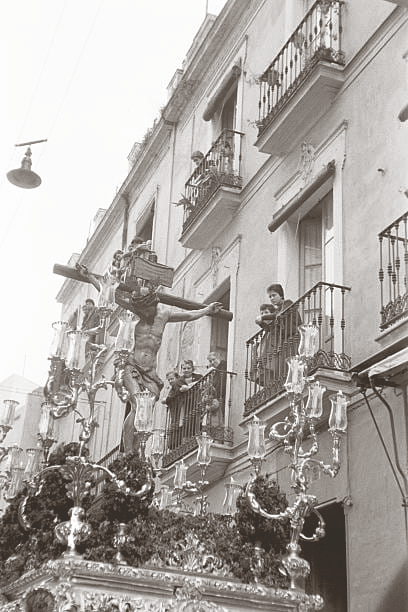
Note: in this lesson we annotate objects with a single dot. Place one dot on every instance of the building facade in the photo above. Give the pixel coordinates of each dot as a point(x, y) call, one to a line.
point(301, 181)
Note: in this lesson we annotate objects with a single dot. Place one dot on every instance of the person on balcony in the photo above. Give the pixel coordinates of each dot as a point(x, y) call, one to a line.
point(139, 372)
point(188, 376)
point(202, 179)
point(280, 339)
point(175, 406)
point(264, 354)
point(91, 322)
point(289, 325)
point(216, 388)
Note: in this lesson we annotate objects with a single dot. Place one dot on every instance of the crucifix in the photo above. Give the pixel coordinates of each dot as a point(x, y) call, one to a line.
point(124, 288)
point(137, 276)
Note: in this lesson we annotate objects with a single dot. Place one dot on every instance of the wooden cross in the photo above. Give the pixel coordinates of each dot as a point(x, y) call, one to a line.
point(164, 298)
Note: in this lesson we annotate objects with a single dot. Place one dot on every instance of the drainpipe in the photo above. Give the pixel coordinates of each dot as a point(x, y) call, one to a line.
point(173, 153)
point(125, 228)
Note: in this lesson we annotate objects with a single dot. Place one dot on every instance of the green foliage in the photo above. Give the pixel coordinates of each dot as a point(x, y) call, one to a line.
point(124, 505)
point(256, 529)
point(152, 534)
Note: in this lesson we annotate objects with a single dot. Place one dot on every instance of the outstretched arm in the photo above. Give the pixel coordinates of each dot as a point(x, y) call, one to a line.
point(192, 315)
point(89, 276)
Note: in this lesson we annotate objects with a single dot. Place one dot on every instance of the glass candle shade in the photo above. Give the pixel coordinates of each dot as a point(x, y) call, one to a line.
point(165, 497)
point(204, 449)
point(180, 475)
point(144, 411)
point(309, 340)
point(16, 483)
point(126, 334)
point(314, 405)
point(109, 284)
point(295, 380)
point(16, 470)
point(16, 458)
point(256, 439)
point(34, 458)
point(157, 447)
point(76, 349)
point(59, 343)
point(8, 413)
point(232, 490)
point(338, 414)
point(46, 423)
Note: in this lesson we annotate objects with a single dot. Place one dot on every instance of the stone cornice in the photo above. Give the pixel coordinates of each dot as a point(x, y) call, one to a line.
point(205, 56)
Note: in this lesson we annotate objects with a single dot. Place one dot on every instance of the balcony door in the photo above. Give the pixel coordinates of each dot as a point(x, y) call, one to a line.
point(316, 245)
point(316, 250)
point(327, 558)
point(144, 226)
point(219, 329)
point(228, 114)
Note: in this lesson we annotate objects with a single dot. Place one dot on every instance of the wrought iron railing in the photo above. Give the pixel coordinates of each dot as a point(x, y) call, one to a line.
point(269, 349)
point(221, 166)
point(201, 408)
point(393, 273)
point(317, 37)
point(105, 461)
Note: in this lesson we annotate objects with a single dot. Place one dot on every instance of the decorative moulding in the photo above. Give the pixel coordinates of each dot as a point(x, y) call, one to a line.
point(76, 585)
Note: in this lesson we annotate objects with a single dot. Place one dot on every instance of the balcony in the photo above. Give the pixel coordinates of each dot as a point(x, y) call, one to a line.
point(201, 408)
point(393, 273)
point(300, 84)
point(212, 193)
point(269, 349)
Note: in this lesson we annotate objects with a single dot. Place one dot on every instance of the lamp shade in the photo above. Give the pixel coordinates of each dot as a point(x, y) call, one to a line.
point(24, 177)
point(165, 497)
point(180, 475)
point(256, 439)
point(309, 340)
point(109, 284)
point(59, 343)
point(295, 380)
point(314, 405)
point(16, 469)
point(8, 412)
point(126, 334)
point(232, 490)
point(338, 414)
point(76, 349)
point(144, 411)
point(204, 449)
point(157, 447)
point(16, 458)
point(46, 423)
point(34, 457)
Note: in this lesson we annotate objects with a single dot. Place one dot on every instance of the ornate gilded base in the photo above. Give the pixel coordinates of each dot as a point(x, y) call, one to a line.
point(75, 585)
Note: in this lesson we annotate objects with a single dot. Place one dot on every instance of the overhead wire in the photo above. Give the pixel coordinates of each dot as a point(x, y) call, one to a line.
point(77, 64)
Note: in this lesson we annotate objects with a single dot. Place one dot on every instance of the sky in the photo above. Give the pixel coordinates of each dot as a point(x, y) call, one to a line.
point(90, 77)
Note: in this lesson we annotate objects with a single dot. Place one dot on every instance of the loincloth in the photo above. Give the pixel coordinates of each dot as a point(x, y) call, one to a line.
point(144, 378)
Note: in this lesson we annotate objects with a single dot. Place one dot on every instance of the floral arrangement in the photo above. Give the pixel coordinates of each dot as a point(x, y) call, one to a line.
point(153, 536)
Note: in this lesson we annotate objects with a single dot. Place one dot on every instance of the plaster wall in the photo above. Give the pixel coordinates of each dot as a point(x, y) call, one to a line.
point(376, 533)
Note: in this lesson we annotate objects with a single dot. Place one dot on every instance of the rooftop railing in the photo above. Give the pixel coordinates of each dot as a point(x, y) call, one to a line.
point(317, 38)
point(221, 166)
point(269, 350)
point(393, 272)
point(201, 408)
